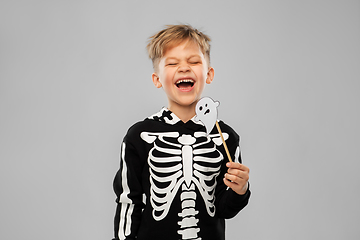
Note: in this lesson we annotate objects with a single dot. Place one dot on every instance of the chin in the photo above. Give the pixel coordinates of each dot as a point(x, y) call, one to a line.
point(188, 102)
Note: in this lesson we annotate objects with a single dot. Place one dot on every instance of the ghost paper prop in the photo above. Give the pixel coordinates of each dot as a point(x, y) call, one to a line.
point(206, 112)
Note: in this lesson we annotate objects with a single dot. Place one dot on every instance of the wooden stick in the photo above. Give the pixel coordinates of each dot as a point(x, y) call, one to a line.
point(223, 140)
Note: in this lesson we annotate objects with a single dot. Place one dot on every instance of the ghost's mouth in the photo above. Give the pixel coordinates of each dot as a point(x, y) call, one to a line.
point(185, 83)
point(207, 111)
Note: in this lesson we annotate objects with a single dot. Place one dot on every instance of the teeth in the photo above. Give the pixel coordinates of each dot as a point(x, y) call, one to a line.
point(185, 80)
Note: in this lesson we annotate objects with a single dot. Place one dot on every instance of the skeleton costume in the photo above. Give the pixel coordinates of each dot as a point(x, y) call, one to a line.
point(170, 182)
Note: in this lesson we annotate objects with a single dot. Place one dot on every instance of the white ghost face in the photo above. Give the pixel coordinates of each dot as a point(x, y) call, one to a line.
point(206, 112)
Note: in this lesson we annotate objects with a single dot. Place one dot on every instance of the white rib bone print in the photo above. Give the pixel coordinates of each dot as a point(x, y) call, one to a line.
point(182, 163)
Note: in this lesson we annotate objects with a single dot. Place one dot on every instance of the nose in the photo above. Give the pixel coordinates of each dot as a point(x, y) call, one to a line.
point(184, 67)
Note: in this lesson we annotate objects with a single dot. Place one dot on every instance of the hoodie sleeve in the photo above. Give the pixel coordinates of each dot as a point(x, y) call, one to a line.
point(129, 192)
point(228, 203)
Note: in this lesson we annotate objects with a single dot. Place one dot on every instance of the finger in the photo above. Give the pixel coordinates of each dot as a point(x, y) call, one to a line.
point(238, 188)
point(239, 173)
point(230, 184)
point(230, 177)
point(235, 171)
point(238, 176)
point(237, 166)
point(235, 179)
point(233, 165)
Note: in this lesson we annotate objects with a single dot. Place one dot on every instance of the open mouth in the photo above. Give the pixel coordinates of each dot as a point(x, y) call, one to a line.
point(185, 83)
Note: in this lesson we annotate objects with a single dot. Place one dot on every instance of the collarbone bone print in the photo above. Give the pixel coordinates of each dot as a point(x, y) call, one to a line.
point(183, 162)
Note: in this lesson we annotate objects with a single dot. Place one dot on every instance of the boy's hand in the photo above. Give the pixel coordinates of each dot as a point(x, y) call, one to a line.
point(237, 177)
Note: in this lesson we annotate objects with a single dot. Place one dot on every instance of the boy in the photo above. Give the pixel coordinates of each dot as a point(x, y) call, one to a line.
point(175, 181)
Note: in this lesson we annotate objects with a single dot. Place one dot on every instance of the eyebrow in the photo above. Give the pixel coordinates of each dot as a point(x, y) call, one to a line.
point(195, 55)
point(171, 58)
point(175, 58)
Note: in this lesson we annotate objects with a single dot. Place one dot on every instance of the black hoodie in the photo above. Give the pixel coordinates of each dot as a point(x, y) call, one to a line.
point(170, 182)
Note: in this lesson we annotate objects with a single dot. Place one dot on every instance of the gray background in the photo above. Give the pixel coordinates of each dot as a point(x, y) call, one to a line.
point(75, 75)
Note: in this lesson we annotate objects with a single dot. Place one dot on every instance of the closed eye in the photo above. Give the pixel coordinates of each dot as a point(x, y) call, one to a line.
point(194, 60)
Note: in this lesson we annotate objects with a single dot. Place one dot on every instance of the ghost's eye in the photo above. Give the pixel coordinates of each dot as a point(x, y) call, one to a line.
point(205, 105)
point(200, 108)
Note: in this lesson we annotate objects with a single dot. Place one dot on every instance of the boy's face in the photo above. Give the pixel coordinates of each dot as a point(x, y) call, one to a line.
point(182, 73)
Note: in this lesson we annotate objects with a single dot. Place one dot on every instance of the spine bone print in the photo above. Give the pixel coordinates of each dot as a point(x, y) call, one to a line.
point(188, 224)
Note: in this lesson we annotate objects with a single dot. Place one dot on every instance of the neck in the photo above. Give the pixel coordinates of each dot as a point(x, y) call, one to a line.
point(185, 113)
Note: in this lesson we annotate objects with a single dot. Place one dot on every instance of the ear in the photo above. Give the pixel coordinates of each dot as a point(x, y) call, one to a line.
point(156, 80)
point(210, 75)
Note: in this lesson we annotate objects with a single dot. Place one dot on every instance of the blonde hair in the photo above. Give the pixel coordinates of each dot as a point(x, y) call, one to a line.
point(173, 35)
